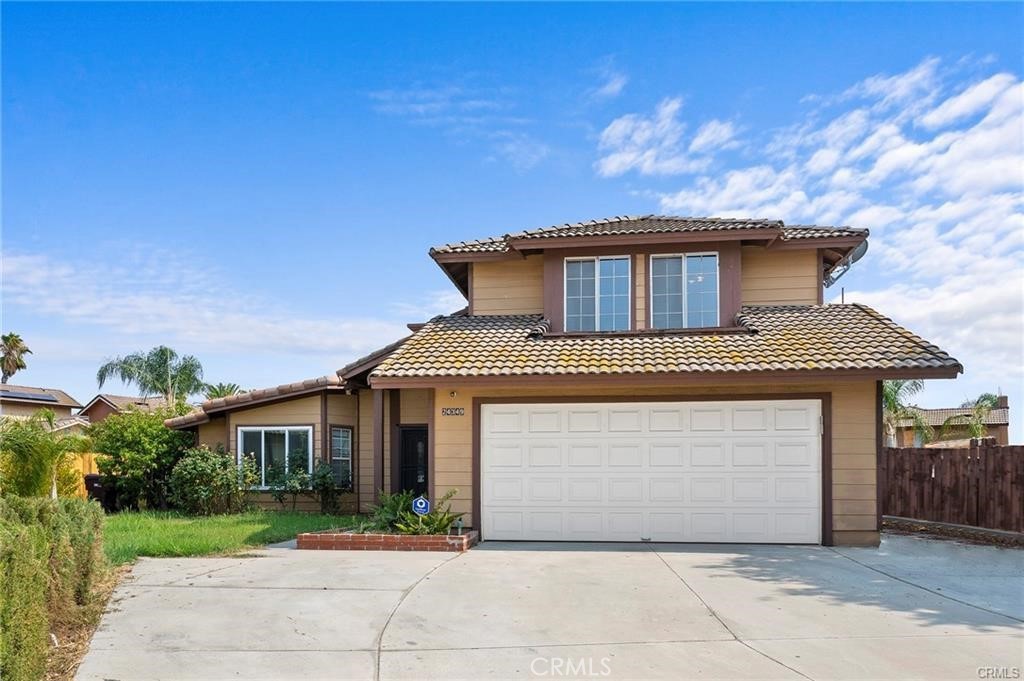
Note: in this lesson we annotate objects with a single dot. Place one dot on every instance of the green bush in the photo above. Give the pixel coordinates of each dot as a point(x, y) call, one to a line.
point(394, 514)
point(325, 488)
point(50, 558)
point(139, 453)
point(438, 521)
point(35, 459)
point(208, 482)
point(292, 484)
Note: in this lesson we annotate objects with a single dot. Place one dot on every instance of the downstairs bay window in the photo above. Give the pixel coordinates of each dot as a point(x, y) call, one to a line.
point(276, 450)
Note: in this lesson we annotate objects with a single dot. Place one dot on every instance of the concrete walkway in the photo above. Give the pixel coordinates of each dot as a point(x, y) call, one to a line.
point(912, 609)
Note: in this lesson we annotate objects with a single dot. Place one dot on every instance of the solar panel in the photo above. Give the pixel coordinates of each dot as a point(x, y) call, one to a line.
point(37, 397)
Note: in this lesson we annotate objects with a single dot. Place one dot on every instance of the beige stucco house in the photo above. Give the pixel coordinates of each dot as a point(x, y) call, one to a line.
point(630, 379)
point(22, 401)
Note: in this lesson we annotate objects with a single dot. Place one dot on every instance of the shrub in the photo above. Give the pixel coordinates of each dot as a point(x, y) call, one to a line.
point(438, 521)
point(325, 488)
point(288, 485)
point(36, 460)
point(50, 558)
point(394, 514)
point(139, 453)
point(208, 482)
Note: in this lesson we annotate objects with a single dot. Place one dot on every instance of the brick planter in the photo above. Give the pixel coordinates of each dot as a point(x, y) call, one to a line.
point(350, 541)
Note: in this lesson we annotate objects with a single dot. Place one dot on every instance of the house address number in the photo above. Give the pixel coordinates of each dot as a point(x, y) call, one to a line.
point(453, 411)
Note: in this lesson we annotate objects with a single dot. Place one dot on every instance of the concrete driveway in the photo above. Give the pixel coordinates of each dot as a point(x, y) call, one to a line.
point(914, 608)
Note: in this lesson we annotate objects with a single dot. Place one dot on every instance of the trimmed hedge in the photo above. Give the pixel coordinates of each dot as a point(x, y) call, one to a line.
point(51, 554)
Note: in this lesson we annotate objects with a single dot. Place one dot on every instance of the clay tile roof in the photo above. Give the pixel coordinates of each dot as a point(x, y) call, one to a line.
point(202, 414)
point(999, 416)
point(804, 338)
point(645, 224)
point(44, 397)
point(123, 402)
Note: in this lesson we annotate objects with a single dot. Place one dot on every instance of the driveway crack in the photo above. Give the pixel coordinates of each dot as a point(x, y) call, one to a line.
point(719, 619)
point(401, 599)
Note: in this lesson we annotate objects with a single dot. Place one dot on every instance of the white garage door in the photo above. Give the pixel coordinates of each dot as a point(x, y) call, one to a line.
point(659, 471)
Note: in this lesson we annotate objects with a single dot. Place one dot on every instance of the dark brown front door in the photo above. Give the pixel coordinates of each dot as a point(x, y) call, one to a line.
point(413, 459)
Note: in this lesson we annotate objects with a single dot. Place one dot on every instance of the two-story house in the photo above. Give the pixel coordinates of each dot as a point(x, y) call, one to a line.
point(629, 379)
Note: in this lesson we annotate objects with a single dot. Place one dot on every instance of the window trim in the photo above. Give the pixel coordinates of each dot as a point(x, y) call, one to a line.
point(631, 296)
point(263, 448)
point(352, 448)
point(684, 255)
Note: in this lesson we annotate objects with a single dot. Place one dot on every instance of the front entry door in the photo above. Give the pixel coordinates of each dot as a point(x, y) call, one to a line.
point(413, 459)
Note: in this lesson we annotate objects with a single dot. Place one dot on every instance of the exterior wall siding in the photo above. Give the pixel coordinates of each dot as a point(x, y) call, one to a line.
point(303, 411)
point(23, 410)
point(509, 286)
point(364, 447)
point(779, 277)
point(854, 467)
point(212, 434)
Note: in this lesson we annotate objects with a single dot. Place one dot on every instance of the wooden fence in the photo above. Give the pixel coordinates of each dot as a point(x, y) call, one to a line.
point(981, 485)
point(84, 464)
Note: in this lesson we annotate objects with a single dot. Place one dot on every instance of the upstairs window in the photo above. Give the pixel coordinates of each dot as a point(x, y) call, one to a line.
point(597, 294)
point(684, 291)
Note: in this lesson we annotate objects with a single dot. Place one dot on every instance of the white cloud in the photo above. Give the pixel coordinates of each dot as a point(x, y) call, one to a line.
point(935, 168)
point(649, 145)
point(714, 134)
point(969, 102)
point(521, 150)
point(165, 297)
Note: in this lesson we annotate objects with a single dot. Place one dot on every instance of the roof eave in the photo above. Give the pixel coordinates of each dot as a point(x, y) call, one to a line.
point(679, 379)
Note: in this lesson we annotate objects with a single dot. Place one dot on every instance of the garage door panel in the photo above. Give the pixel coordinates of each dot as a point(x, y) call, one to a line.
point(707, 471)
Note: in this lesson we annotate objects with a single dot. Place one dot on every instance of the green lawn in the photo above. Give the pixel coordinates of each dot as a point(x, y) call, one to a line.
point(128, 535)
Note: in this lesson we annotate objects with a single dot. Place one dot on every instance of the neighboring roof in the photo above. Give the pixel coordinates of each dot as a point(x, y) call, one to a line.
point(999, 416)
point(122, 402)
point(647, 224)
point(787, 339)
point(71, 422)
point(42, 396)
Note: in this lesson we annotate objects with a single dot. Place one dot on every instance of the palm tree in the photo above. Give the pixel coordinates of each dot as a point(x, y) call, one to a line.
point(896, 409)
point(157, 372)
point(13, 357)
point(33, 454)
point(974, 422)
point(215, 390)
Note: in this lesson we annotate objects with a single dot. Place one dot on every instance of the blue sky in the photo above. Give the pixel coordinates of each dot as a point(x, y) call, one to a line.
point(258, 184)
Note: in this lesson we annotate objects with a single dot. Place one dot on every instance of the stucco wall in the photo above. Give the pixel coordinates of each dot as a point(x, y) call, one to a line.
point(779, 277)
point(853, 444)
point(21, 410)
point(509, 286)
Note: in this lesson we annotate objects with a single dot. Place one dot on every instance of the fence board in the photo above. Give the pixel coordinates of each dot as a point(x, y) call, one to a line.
point(982, 485)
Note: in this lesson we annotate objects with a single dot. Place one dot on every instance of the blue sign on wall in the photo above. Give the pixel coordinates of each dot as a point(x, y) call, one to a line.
point(420, 506)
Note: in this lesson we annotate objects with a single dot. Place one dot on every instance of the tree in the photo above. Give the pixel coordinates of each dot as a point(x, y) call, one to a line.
point(138, 454)
point(215, 390)
point(35, 459)
point(896, 409)
point(12, 360)
point(974, 422)
point(157, 372)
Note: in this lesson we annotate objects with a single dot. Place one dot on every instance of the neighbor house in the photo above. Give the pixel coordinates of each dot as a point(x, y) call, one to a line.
point(629, 379)
point(24, 401)
point(996, 422)
point(103, 405)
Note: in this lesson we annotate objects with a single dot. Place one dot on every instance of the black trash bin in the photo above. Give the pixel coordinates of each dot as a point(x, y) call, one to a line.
point(95, 488)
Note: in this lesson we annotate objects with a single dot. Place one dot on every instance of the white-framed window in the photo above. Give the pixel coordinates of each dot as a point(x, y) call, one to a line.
point(276, 450)
point(597, 293)
point(684, 291)
point(341, 456)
